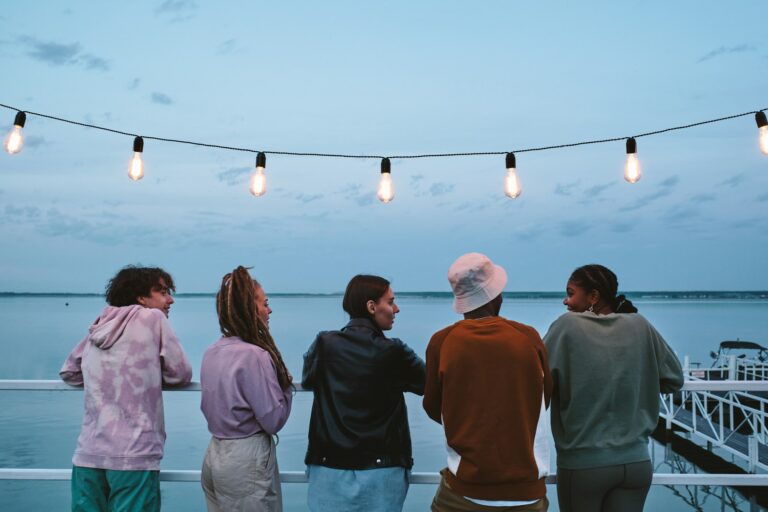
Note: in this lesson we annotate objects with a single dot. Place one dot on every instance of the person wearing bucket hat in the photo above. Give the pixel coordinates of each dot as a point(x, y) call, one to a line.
point(488, 383)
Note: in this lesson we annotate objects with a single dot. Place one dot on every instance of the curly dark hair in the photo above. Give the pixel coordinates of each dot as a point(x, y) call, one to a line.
point(600, 278)
point(134, 281)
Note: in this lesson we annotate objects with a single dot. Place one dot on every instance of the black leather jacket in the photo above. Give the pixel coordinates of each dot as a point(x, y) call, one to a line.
point(358, 376)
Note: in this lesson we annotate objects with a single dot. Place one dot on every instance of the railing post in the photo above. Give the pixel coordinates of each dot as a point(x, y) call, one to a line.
point(752, 445)
point(731, 367)
point(686, 366)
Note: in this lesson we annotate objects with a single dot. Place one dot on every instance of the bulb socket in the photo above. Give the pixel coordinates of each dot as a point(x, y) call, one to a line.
point(21, 118)
point(138, 145)
point(261, 160)
point(760, 119)
point(511, 164)
point(386, 166)
point(631, 146)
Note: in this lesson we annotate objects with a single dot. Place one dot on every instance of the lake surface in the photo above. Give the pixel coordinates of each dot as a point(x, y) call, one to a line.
point(39, 429)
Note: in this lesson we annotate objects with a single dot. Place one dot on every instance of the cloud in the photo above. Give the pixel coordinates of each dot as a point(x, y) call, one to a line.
point(35, 141)
point(594, 192)
point(134, 84)
point(703, 198)
point(56, 223)
point(573, 228)
point(177, 10)
point(366, 199)
point(439, 189)
point(566, 189)
point(762, 198)
point(471, 206)
point(622, 227)
point(19, 214)
point(228, 47)
point(646, 200)
point(353, 192)
point(308, 198)
point(91, 61)
point(734, 181)
point(599, 189)
point(56, 54)
point(670, 182)
point(529, 234)
point(679, 213)
point(60, 54)
point(161, 99)
point(416, 179)
point(724, 50)
point(234, 176)
point(665, 189)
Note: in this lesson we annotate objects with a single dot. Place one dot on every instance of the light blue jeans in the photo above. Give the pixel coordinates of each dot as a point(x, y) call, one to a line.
point(347, 490)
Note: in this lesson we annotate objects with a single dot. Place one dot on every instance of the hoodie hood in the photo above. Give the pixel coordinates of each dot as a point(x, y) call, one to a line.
point(111, 324)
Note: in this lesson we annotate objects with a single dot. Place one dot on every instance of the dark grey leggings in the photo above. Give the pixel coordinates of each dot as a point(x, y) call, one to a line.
point(620, 488)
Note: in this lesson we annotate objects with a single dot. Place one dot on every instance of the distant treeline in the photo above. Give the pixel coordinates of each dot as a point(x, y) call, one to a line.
point(647, 295)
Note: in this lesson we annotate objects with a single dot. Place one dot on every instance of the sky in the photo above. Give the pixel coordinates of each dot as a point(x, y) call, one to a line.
point(390, 78)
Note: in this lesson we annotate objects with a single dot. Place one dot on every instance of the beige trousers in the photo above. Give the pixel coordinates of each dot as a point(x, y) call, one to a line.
point(242, 474)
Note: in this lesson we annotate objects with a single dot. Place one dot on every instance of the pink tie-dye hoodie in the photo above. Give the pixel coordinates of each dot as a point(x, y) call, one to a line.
point(128, 354)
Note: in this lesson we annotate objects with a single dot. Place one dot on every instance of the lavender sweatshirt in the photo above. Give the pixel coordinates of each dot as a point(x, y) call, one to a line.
point(128, 354)
point(240, 392)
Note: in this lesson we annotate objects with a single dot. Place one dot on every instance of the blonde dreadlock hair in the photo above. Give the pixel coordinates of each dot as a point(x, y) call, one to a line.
point(238, 316)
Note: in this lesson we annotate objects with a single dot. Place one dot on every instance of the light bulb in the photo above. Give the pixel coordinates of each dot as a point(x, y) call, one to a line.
point(632, 171)
point(386, 190)
point(15, 139)
point(258, 185)
point(762, 129)
point(512, 186)
point(136, 168)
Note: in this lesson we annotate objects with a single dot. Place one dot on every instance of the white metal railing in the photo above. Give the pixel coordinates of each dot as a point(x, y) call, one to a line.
point(690, 386)
point(732, 367)
point(713, 404)
point(298, 477)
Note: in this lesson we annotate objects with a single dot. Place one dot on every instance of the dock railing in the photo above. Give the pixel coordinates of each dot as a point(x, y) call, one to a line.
point(290, 477)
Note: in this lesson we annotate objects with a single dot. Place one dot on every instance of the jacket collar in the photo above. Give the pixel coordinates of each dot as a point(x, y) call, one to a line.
point(365, 323)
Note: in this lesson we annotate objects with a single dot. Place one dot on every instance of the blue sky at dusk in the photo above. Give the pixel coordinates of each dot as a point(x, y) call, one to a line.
point(389, 78)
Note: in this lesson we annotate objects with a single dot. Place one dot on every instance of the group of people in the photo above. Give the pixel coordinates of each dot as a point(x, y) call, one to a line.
point(491, 382)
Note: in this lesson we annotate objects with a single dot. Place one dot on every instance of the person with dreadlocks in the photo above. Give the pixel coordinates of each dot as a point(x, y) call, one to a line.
point(608, 367)
point(359, 454)
point(246, 399)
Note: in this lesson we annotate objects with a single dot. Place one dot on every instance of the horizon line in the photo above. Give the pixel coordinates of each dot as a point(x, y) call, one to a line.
point(631, 293)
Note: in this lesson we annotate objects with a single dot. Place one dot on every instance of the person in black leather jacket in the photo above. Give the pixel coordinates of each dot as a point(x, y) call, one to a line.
point(359, 453)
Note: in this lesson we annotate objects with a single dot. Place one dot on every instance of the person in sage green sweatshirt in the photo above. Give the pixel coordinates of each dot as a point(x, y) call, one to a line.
point(608, 367)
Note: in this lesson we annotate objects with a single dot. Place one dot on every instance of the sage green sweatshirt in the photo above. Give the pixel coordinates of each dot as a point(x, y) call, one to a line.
point(607, 372)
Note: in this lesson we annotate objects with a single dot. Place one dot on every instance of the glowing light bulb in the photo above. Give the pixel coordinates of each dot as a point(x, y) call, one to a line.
point(136, 167)
point(386, 190)
point(15, 139)
point(762, 129)
point(632, 170)
point(258, 185)
point(512, 186)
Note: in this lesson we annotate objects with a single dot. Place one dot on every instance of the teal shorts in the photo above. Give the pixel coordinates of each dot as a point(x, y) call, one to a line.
point(96, 490)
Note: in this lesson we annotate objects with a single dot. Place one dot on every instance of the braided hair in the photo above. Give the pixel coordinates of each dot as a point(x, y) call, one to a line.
point(239, 316)
point(597, 277)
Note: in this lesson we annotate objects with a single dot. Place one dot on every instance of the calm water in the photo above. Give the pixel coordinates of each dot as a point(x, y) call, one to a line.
point(39, 429)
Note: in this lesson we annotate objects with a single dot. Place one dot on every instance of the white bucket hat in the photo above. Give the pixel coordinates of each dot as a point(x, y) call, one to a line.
point(475, 281)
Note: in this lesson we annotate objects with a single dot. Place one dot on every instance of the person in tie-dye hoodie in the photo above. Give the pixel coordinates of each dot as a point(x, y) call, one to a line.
point(130, 352)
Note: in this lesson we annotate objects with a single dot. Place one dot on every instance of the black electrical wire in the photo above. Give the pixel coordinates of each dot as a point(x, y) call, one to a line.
point(399, 157)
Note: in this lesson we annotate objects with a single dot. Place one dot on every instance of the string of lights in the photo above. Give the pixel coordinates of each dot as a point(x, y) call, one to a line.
point(14, 143)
